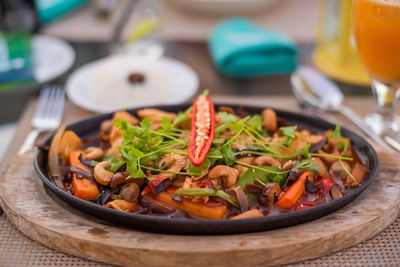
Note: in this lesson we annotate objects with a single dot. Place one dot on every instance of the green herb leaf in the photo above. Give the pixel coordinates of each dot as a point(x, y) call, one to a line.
point(255, 122)
point(228, 155)
point(290, 133)
point(307, 164)
point(267, 176)
point(218, 141)
point(145, 123)
point(237, 126)
point(121, 124)
point(181, 118)
point(115, 163)
point(337, 133)
point(198, 170)
point(226, 117)
point(135, 152)
point(305, 151)
point(166, 125)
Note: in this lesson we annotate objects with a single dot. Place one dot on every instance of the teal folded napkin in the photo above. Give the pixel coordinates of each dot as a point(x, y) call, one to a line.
point(49, 10)
point(241, 49)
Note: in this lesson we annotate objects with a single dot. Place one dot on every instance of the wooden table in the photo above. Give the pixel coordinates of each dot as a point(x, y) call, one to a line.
point(365, 253)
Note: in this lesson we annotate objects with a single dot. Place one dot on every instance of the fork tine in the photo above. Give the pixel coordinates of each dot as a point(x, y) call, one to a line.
point(48, 114)
point(59, 104)
point(51, 103)
point(41, 106)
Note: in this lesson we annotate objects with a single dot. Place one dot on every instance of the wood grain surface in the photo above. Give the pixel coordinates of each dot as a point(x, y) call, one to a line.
point(46, 219)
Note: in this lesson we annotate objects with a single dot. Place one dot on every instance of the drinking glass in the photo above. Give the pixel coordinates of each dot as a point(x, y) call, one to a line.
point(377, 35)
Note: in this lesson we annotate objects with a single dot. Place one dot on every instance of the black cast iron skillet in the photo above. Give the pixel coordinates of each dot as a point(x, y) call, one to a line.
point(202, 226)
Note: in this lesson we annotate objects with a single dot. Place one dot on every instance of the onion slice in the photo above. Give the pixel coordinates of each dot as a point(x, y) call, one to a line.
point(53, 158)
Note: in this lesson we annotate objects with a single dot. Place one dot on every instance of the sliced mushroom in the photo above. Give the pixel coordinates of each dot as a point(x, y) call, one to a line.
point(254, 213)
point(178, 180)
point(228, 175)
point(118, 178)
point(336, 170)
point(271, 192)
point(122, 205)
point(335, 192)
point(311, 187)
point(253, 188)
point(172, 162)
point(324, 172)
point(101, 175)
point(242, 198)
point(329, 160)
point(358, 173)
point(226, 109)
point(130, 192)
point(317, 145)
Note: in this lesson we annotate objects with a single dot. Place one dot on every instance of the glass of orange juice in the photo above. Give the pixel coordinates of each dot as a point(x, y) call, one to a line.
point(377, 34)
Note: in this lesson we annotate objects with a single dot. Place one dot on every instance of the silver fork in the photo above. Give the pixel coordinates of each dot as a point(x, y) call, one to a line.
point(48, 115)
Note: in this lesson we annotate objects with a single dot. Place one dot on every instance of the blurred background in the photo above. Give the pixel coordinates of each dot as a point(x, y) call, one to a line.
point(178, 48)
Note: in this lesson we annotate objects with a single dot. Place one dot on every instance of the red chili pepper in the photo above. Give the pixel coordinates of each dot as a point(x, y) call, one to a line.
point(302, 205)
point(207, 184)
point(153, 184)
point(202, 131)
point(326, 185)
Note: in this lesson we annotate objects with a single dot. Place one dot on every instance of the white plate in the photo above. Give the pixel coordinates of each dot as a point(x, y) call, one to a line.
point(51, 56)
point(184, 84)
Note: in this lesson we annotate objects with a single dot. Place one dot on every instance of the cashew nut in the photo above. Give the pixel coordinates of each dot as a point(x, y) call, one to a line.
point(113, 150)
point(288, 165)
point(105, 130)
point(101, 175)
point(155, 114)
point(242, 169)
point(270, 121)
point(93, 153)
point(227, 174)
point(266, 161)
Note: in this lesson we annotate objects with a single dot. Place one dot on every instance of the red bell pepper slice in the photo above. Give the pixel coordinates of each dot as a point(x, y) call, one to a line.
point(153, 184)
point(202, 131)
point(326, 185)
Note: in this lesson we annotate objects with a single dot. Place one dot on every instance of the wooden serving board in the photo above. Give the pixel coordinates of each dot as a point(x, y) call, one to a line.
point(44, 218)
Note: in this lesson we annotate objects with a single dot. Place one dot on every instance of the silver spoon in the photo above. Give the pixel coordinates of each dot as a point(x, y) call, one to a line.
point(314, 89)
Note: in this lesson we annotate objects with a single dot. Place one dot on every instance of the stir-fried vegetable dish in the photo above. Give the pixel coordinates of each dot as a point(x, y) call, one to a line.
point(205, 162)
